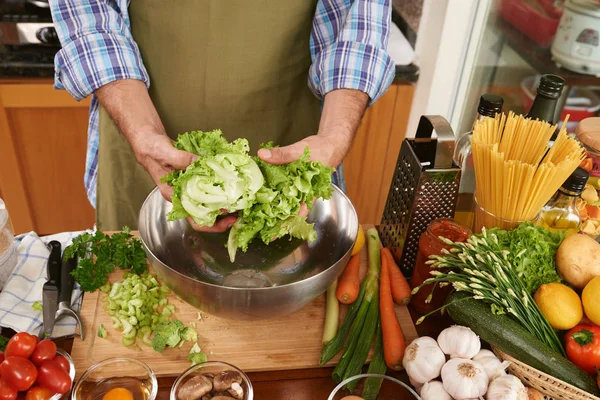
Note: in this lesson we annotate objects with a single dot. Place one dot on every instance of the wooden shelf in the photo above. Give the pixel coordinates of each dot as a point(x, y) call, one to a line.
point(540, 58)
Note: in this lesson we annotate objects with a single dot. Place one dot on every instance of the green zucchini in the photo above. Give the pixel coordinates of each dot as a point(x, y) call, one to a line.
point(509, 336)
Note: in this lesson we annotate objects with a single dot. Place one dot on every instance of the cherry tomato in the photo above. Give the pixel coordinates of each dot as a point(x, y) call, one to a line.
point(52, 376)
point(64, 363)
point(18, 372)
point(6, 392)
point(38, 393)
point(21, 345)
point(44, 351)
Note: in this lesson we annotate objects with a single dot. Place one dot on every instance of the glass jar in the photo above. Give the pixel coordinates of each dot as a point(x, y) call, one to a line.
point(8, 253)
point(430, 244)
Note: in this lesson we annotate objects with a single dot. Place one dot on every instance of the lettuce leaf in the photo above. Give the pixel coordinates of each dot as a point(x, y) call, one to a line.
point(532, 253)
point(266, 197)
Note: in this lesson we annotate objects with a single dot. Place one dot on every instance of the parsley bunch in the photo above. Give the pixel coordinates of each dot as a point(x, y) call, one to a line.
point(99, 254)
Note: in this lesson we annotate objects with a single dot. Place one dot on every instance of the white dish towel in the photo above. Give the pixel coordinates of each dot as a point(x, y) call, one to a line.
point(24, 286)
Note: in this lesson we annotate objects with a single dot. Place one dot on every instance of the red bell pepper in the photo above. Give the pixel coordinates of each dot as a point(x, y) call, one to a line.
point(583, 347)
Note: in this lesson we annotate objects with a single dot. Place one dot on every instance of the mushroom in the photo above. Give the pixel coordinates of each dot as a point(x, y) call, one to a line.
point(236, 391)
point(225, 379)
point(194, 388)
point(222, 398)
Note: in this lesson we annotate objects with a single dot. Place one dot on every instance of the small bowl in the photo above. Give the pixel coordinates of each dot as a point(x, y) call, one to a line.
point(115, 368)
point(391, 388)
point(66, 355)
point(213, 367)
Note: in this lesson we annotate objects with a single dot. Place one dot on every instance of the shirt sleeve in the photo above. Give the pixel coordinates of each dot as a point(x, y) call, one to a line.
point(97, 45)
point(348, 45)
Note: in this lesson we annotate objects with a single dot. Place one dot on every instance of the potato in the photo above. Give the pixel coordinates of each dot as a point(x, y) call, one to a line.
point(578, 260)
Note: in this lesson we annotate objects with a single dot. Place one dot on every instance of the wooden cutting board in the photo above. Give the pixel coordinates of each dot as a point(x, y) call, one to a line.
point(284, 343)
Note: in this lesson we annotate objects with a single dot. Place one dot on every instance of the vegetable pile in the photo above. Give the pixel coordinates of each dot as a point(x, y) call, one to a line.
point(370, 321)
point(32, 369)
point(267, 198)
point(470, 372)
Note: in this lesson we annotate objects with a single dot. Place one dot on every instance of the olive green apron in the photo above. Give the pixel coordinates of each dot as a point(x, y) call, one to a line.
point(237, 65)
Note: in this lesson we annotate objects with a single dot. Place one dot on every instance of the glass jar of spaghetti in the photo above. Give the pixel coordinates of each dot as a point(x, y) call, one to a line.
point(431, 244)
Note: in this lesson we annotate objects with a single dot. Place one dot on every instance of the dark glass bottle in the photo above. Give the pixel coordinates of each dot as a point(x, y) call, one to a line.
point(545, 102)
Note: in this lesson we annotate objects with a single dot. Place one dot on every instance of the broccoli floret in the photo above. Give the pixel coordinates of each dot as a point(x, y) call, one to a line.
point(196, 356)
point(189, 335)
point(102, 332)
point(167, 333)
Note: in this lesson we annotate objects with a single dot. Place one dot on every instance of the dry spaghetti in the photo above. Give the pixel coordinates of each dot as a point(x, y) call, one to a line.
point(515, 172)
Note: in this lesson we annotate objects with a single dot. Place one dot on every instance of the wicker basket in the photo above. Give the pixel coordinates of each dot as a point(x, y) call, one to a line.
point(549, 386)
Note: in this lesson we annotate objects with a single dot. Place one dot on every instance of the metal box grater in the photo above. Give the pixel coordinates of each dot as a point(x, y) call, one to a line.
point(424, 187)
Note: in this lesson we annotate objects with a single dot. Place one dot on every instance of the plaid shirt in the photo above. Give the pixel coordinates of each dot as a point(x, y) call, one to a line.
point(348, 47)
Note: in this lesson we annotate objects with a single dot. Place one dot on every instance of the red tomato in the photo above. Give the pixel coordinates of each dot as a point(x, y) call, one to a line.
point(21, 345)
point(52, 376)
point(44, 351)
point(18, 372)
point(64, 363)
point(6, 392)
point(38, 393)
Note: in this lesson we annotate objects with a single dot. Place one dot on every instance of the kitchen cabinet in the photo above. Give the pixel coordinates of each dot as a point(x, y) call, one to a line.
point(43, 135)
point(369, 166)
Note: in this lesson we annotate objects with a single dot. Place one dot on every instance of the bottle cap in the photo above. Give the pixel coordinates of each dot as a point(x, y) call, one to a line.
point(576, 182)
point(551, 86)
point(490, 105)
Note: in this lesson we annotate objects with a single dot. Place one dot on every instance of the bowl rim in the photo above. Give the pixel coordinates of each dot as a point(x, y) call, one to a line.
point(252, 289)
point(341, 385)
point(189, 370)
point(87, 372)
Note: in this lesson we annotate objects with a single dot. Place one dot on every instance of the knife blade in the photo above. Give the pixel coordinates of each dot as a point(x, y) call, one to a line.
point(51, 289)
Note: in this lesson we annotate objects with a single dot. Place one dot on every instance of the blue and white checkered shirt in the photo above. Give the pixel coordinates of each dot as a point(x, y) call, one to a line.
point(348, 47)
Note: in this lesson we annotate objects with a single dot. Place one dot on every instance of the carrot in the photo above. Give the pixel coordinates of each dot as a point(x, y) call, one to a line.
point(349, 283)
point(393, 338)
point(400, 288)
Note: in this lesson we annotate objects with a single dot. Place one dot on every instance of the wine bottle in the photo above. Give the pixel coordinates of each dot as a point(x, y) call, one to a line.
point(545, 102)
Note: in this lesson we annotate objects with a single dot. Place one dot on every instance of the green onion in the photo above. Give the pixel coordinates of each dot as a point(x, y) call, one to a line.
point(332, 314)
point(377, 366)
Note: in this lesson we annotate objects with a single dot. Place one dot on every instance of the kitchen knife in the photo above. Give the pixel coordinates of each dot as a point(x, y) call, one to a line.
point(67, 282)
point(51, 289)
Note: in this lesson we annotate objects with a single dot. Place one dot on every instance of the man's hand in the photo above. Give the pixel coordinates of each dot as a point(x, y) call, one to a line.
point(157, 155)
point(343, 110)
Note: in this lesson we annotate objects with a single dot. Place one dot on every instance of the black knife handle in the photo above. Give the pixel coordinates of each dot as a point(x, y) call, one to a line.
point(54, 263)
point(66, 279)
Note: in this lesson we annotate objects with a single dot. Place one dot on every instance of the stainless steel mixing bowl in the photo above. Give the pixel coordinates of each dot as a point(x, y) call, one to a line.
point(266, 281)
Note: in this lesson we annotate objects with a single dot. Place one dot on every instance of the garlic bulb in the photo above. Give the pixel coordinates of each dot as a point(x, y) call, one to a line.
point(483, 353)
point(416, 385)
point(507, 387)
point(464, 379)
point(491, 364)
point(423, 360)
point(434, 390)
point(459, 342)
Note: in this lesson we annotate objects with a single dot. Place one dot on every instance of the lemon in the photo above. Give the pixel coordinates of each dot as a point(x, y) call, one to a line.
point(360, 241)
point(591, 300)
point(560, 305)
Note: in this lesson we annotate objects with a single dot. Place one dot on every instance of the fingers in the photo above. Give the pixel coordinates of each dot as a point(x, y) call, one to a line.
point(178, 159)
point(282, 155)
point(220, 225)
point(165, 190)
point(303, 210)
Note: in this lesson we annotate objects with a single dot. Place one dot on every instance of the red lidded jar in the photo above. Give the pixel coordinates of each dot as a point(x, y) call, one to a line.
point(431, 244)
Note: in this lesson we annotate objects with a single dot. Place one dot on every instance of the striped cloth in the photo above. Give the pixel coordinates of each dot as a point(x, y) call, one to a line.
point(24, 286)
point(348, 45)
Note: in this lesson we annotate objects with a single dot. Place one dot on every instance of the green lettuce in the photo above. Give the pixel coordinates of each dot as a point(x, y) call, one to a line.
point(266, 197)
point(532, 251)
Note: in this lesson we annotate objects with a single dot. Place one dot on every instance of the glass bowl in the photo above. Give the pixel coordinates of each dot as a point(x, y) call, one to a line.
point(116, 372)
point(66, 355)
point(391, 388)
point(214, 368)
